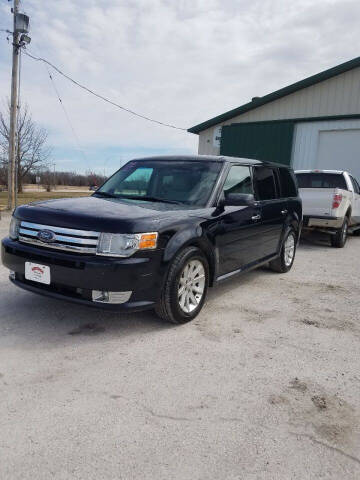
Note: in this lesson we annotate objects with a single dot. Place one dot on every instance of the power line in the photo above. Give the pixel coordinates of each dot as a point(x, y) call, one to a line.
point(72, 128)
point(39, 59)
point(66, 114)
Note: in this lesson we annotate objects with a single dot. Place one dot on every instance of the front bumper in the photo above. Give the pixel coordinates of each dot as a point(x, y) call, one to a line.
point(74, 276)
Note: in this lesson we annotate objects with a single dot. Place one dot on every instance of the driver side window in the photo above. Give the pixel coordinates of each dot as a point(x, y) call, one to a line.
point(238, 180)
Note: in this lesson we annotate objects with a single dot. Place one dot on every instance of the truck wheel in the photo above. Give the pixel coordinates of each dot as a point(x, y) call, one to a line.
point(339, 239)
point(285, 261)
point(185, 288)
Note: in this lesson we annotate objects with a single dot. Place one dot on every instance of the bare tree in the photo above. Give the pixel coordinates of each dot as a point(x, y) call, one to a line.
point(32, 152)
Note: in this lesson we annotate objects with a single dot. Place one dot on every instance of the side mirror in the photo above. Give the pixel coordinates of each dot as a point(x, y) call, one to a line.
point(239, 199)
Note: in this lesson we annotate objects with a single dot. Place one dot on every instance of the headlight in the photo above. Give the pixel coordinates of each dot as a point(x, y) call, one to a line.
point(14, 228)
point(125, 245)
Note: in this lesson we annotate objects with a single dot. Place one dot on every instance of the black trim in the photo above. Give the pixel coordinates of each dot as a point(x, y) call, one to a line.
point(247, 268)
point(133, 306)
point(320, 217)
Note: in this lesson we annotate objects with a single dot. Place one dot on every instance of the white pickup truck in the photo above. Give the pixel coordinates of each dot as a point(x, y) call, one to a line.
point(331, 203)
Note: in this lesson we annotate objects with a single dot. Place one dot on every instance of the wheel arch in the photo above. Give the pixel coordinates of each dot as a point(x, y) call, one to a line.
point(348, 212)
point(193, 238)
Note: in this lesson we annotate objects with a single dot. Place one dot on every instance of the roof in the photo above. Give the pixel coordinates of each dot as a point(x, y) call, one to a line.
point(207, 158)
point(259, 101)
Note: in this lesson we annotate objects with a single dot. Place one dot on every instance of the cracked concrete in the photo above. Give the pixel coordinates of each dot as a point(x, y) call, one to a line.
point(263, 385)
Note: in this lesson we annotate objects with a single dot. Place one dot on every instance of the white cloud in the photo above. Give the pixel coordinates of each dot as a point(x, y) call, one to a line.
point(180, 62)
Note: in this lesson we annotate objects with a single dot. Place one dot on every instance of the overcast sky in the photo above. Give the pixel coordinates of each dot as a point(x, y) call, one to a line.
point(180, 62)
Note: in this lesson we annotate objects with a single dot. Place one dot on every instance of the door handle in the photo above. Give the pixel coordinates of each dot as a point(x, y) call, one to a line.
point(284, 212)
point(256, 217)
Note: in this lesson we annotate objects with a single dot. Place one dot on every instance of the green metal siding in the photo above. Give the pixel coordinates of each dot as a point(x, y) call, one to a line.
point(267, 141)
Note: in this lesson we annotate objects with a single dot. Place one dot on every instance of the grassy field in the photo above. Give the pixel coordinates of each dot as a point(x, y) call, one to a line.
point(28, 197)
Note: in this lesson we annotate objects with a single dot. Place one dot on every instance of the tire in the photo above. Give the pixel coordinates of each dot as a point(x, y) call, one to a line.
point(356, 233)
point(285, 261)
point(171, 306)
point(339, 239)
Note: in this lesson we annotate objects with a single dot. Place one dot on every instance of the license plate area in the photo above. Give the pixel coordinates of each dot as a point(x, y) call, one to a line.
point(37, 273)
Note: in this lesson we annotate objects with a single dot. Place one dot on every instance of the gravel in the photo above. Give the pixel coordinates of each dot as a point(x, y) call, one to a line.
point(263, 384)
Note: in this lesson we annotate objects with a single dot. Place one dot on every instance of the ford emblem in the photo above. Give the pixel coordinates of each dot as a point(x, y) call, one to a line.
point(46, 236)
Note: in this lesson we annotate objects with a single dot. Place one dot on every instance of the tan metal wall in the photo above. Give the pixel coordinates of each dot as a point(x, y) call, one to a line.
point(339, 95)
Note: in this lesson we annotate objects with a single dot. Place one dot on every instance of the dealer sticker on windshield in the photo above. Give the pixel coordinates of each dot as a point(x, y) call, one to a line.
point(37, 273)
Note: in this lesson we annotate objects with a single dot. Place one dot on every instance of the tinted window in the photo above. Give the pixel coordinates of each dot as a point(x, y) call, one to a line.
point(321, 180)
point(287, 182)
point(238, 180)
point(185, 182)
point(265, 183)
point(136, 183)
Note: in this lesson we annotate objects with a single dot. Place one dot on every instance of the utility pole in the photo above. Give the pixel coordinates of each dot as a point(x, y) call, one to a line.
point(20, 39)
point(13, 110)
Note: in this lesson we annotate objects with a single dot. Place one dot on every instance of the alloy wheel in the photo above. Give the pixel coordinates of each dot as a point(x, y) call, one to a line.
point(289, 250)
point(191, 286)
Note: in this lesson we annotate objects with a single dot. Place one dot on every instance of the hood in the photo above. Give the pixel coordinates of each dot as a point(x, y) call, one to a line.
point(101, 214)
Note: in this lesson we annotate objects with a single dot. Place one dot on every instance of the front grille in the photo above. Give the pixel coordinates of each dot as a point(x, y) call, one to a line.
point(69, 239)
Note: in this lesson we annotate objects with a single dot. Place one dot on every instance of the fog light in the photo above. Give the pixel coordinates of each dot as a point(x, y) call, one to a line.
point(110, 297)
point(12, 275)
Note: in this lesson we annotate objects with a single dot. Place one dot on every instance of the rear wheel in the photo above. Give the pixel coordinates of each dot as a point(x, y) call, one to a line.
point(185, 289)
point(339, 239)
point(285, 261)
point(357, 233)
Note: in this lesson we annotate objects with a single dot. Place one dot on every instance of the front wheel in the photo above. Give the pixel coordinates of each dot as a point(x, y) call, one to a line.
point(285, 261)
point(185, 288)
point(339, 239)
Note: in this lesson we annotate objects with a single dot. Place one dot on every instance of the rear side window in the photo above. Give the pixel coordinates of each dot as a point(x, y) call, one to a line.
point(287, 182)
point(238, 180)
point(265, 183)
point(321, 180)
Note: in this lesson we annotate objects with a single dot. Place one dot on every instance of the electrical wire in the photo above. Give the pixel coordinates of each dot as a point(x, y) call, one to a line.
point(40, 59)
point(66, 115)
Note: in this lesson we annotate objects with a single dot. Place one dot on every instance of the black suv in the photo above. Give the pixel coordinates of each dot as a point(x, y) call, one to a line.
point(157, 234)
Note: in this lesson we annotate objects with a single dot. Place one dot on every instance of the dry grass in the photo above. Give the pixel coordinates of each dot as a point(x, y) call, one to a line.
point(28, 197)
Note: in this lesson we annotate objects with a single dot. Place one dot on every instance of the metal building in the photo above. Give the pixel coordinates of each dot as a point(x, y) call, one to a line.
point(313, 123)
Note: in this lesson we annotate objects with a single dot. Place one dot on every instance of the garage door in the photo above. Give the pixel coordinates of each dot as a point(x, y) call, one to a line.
point(339, 150)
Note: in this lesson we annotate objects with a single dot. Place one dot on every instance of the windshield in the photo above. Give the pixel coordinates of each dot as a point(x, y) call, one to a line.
point(168, 181)
point(321, 180)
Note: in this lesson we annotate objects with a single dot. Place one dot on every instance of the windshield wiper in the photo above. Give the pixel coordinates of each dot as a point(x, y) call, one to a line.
point(149, 198)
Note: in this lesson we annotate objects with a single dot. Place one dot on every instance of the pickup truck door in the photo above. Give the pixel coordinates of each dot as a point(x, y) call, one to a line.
point(238, 238)
point(273, 209)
